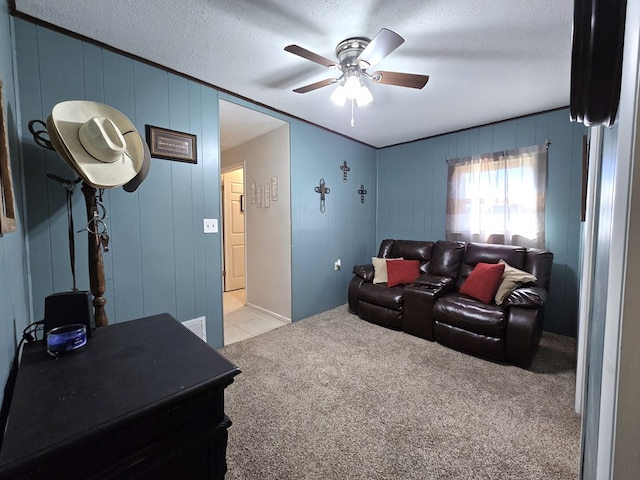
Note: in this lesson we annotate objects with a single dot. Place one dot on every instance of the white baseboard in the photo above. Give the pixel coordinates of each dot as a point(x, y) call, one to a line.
point(268, 312)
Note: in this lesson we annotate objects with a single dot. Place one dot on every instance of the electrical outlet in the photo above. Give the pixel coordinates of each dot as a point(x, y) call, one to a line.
point(337, 264)
point(210, 225)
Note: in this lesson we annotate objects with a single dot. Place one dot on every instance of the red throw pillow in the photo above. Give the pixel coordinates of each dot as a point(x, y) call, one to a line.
point(402, 272)
point(483, 282)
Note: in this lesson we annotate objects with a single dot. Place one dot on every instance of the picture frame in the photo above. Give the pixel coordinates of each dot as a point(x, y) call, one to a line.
point(7, 203)
point(171, 144)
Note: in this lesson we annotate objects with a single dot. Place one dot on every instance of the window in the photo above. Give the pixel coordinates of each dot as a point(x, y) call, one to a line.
point(498, 197)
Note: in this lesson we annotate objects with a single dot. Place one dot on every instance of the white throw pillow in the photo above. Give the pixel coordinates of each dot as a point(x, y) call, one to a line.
point(380, 269)
point(512, 278)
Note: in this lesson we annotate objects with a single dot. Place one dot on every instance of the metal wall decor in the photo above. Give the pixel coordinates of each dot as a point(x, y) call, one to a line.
point(345, 169)
point(362, 192)
point(323, 190)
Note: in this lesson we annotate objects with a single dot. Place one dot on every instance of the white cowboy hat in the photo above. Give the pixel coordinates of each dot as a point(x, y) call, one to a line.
point(134, 183)
point(97, 141)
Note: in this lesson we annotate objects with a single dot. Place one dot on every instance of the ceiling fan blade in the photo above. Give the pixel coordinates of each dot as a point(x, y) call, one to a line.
point(314, 57)
point(314, 86)
point(411, 80)
point(380, 46)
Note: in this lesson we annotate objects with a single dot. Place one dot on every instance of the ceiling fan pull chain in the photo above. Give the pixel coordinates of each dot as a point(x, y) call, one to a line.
point(353, 123)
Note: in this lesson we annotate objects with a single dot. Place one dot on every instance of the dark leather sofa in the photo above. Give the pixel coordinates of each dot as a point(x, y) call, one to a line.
point(432, 306)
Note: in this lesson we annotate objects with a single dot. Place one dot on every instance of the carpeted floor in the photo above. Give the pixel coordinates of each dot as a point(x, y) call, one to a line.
point(335, 397)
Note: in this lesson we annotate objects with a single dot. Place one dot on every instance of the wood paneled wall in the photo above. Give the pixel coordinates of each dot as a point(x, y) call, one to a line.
point(412, 193)
point(14, 293)
point(159, 259)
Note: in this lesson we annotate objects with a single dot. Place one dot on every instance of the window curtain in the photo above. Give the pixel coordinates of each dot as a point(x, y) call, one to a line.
point(498, 197)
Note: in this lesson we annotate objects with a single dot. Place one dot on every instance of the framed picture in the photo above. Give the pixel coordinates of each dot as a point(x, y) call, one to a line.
point(7, 204)
point(172, 145)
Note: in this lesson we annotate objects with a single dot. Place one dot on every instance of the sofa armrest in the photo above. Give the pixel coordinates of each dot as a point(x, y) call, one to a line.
point(526, 297)
point(418, 304)
point(365, 272)
point(353, 293)
point(524, 330)
point(435, 281)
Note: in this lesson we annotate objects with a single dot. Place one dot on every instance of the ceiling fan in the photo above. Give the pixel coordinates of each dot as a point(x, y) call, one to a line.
point(355, 56)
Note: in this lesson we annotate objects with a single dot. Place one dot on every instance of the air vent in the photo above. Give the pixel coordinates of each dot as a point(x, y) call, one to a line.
point(197, 326)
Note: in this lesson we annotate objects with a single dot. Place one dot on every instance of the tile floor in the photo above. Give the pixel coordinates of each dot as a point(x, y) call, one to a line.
point(242, 322)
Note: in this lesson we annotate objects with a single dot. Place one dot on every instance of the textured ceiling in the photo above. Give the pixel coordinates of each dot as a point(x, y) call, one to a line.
point(239, 124)
point(488, 60)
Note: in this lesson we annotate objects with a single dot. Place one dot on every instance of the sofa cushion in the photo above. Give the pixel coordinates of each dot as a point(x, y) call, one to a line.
point(483, 282)
point(469, 314)
point(380, 294)
point(380, 269)
point(402, 272)
point(512, 278)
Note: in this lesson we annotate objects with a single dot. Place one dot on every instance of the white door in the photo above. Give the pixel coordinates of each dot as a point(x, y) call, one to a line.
point(233, 230)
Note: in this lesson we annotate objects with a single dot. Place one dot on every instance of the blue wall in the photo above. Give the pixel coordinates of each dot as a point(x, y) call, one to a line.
point(412, 193)
point(14, 298)
point(346, 231)
point(160, 260)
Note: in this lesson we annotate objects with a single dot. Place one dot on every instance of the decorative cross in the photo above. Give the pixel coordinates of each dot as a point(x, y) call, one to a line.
point(322, 190)
point(362, 192)
point(345, 169)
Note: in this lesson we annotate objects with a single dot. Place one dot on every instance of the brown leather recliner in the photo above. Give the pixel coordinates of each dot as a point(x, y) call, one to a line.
point(433, 308)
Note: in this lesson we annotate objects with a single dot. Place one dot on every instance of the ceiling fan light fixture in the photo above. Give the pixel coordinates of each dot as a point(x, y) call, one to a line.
point(339, 96)
point(352, 87)
point(364, 96)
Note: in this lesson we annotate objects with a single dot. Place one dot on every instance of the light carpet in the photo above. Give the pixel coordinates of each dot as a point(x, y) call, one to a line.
point(335, 397)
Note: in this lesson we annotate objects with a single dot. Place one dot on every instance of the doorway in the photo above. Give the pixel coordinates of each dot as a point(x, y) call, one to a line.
point(256, 221)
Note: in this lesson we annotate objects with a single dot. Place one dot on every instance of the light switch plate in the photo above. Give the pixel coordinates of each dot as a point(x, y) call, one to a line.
point(210, 225)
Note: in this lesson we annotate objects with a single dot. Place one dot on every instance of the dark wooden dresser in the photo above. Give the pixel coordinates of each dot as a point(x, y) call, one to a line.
point(144, 399)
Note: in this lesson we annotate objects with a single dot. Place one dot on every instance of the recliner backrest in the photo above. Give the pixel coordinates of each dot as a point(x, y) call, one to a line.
point(385, 248)
point(490, 253)
point(446, 258)
point(539, 262)
point(407, 249)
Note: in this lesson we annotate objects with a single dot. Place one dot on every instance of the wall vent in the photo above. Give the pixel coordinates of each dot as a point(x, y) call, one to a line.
point(197, 326)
